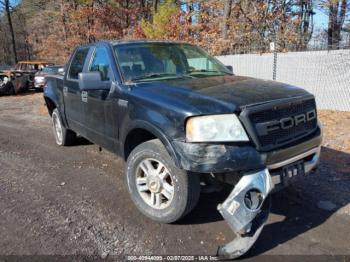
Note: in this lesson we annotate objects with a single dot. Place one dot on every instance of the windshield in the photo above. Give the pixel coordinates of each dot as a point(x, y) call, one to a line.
point(155, 61)
point(30, 67)
point(50, 70)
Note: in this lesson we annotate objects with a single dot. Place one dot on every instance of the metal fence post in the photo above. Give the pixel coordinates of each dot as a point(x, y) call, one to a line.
point(274, 65)
point(274, 69)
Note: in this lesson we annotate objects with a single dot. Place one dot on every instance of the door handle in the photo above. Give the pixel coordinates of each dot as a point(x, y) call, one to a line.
point(65, 91)
point(84, 96)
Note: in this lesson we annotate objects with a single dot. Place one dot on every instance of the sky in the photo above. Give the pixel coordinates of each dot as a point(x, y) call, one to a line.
point(320, 20)
point(14, 2)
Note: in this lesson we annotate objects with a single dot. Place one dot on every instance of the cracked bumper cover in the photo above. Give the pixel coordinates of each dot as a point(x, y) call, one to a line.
point(217, 158)
point(234, 210)
point(223, 158)
point(247, 223)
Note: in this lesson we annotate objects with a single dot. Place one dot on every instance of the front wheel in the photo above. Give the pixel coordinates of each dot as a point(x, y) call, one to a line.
point(63, 136)
point(159, 189)
point(12, 90)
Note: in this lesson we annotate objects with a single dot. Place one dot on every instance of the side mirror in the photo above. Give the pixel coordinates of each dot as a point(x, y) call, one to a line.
point(230, 68)
point(90, 81)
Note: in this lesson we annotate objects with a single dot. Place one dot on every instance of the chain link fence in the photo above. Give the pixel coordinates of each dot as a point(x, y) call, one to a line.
point(326, 74)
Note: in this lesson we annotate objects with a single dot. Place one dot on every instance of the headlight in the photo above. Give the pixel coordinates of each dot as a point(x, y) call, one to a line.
point(39, 78)
point(215, 128)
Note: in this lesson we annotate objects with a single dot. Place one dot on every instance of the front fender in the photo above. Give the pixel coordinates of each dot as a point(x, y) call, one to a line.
point(157, 132)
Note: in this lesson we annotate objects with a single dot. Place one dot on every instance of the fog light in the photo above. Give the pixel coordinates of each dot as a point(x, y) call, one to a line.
point(253, 199)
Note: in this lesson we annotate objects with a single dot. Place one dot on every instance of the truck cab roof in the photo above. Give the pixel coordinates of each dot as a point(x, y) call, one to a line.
point(126, 41)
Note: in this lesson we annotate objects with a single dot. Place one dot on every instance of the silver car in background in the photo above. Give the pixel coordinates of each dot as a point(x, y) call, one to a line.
point(39, 79)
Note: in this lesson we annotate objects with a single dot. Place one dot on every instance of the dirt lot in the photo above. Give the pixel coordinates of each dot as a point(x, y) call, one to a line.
point(72, 200)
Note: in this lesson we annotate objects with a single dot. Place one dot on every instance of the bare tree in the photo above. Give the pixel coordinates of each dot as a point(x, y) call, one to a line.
point(227, 14)
point(337, 11)
point(305, 15)
point(7, 7)
point(155, 6)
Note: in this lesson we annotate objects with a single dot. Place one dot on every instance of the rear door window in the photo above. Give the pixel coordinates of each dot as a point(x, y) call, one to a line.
point(77, 64)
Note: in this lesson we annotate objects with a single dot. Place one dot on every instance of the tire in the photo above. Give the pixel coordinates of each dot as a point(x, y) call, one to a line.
point(12, 90)
point(175, 192)
point(26, 87)
point(63, 136)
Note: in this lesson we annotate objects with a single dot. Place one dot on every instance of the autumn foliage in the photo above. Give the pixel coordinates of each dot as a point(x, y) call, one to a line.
point(51, 29)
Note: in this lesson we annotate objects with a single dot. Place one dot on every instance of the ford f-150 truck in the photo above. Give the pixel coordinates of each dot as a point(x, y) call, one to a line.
point(181, 120)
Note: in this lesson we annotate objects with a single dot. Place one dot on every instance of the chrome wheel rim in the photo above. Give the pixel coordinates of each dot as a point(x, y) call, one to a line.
point(154, 183)
point(58, 128)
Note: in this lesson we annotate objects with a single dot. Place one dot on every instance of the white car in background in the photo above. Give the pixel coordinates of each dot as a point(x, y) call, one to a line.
point(39, 79)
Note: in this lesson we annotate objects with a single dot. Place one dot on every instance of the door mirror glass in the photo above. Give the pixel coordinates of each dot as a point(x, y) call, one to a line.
point(90, 81)
point(230, 68)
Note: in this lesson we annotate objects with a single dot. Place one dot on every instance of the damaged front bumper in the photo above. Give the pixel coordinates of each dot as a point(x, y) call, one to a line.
point(247, 207)
point(246, 211)
point(230, 158)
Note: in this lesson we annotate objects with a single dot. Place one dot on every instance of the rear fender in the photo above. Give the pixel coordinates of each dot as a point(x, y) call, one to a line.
point(54, 94)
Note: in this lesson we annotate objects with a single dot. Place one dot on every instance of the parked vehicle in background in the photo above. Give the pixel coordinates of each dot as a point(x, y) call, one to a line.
point(12, 79)
point(39, 78)
point(5, 67)
point(181, 120)
point(28, 69)
point(6, 85)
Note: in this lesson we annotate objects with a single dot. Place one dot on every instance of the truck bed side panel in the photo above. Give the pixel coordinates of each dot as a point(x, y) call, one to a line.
point(54, 92)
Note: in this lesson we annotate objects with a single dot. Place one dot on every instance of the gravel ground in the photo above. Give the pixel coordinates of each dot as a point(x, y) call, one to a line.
point(331, 182)
point(73, 201)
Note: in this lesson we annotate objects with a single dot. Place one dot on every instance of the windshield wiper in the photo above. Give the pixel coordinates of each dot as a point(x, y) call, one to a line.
point(206, 71)
point(155, 75)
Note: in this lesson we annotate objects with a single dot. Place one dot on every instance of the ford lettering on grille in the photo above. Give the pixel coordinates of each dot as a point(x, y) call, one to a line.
point(285, 123)
point(279, 123)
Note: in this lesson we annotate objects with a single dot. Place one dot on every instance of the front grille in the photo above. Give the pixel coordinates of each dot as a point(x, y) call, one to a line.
point(273, 113)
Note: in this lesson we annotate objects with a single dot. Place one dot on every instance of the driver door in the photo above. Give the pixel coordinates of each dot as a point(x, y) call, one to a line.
point(97, 103)
point(72, 93)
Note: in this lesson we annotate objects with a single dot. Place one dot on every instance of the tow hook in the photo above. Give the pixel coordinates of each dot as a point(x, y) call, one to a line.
point(246, 211)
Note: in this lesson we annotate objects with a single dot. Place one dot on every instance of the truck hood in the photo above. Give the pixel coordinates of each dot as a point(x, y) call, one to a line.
point(223, 93)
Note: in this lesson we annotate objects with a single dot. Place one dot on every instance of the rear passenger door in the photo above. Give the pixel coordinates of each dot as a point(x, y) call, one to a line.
point(71, 90)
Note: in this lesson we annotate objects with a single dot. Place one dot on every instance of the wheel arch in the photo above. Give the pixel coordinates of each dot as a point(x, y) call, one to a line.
point(50, 104)
point(141, 132)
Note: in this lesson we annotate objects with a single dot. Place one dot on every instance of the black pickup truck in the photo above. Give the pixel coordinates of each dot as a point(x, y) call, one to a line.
point(183, 121)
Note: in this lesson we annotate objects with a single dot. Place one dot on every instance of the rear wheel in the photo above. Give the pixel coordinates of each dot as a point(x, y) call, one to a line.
point(63, 136)
point(160, 190)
